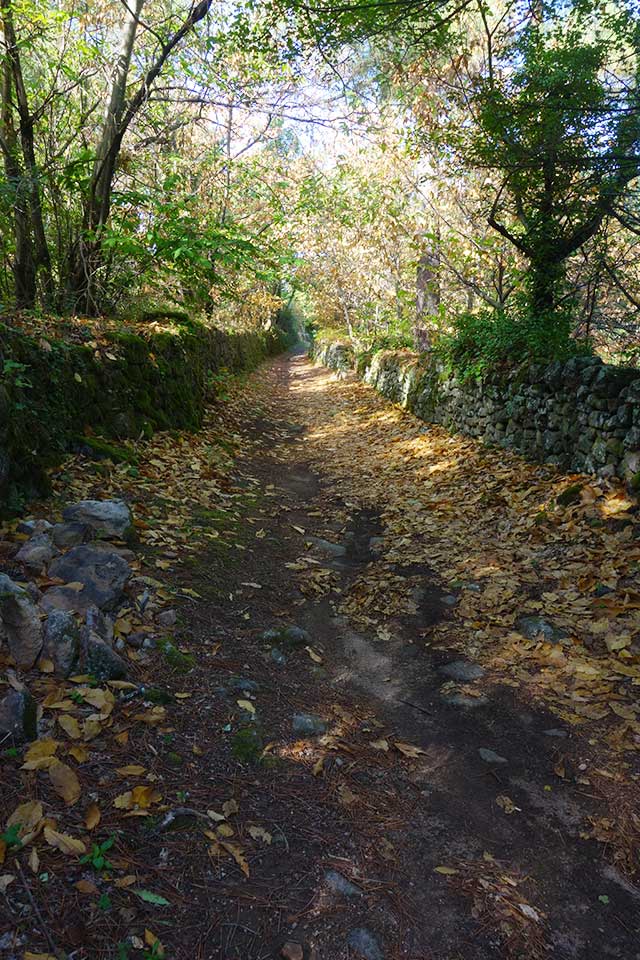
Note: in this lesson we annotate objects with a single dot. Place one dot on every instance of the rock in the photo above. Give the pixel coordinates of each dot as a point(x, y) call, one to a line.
point(19, 622)
point(100, 660)
point(99, 623)
point(109, 518)
point(449, 600)
point(556, 732)
point(327, 548)
point(292, 951)
point(365, 944)
point(467, 703)
point(295, 637)
point(489, 756)
point(243, 684)
point(341, 885)
point(535, 628)
point(270, 635)
point(278, 656)
point(308, 724)
point(103, 574)
point(69, 534)
point(62, 641)
point(376, 546)
point(18, 716)
point(37, 553)
point(167, 618)
point(32, 527)
point(462, 670)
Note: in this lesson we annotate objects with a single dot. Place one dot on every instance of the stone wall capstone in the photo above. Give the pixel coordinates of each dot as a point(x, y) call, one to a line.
point(582, 415)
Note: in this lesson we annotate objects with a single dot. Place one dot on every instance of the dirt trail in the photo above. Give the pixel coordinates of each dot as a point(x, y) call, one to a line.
point(444, 808)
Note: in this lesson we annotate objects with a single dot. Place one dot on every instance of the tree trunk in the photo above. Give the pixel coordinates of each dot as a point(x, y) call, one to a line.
point(23, 264)
point(31, 186)
point(427, 294)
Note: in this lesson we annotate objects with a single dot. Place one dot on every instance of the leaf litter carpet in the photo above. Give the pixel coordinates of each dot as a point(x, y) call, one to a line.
point(470, 669)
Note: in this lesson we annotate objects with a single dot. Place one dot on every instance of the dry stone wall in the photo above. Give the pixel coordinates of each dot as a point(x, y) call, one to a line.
point(582, 415)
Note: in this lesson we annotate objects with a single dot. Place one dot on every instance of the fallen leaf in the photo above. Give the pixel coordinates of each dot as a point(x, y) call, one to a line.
point(65, 782)
point(92, 816)
point(63, 842)
point(408, 749)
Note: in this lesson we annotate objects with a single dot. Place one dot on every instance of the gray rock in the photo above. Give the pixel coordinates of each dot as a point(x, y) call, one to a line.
point(449, 600)
point(19, 716)
point(20, 623)
point(341, 885)
point(109, 518)
point(327, 548)
point(103, 574)
point(62, 641)
point(556, 732)
point(535, 627)
point(167, 618)
point(101, 624)
point(462, 670)
point(295, 637)
point(278, 656)
point(365, 944)
point(69, 534)
point(242, 683)
point(376, 546)
point(32, 527)
point(308, 724)
point(37, 553)
point(467, 703)
point(489, 756)
point(100, 660)
point(270, 635)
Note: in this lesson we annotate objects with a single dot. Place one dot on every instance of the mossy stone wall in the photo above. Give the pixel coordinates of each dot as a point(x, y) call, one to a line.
point(52, 391)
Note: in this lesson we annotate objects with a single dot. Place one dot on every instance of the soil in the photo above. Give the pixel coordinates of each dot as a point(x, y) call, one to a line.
point(450, 857)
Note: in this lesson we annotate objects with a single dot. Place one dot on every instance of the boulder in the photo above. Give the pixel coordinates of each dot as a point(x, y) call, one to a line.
point(109, 518)
point(99, 660)
point(99, 623)
point(69, 534)
point(19, 622)
point(295, 637)
point(31, 527)
point(99, 578)
point(37, 553)
point(62, 641)
point(18, 716)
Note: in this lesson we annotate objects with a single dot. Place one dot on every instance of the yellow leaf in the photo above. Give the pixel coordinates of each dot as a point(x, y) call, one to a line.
point(79, 753)
point(236, 853)
point(65, 782)
point(39, 750)
point(64, 843)
point(314, 656)
point(408, 749)
point(447, 871)
point(229, 807)
point(131, 770)
point(28, 815)
point(259, 833)
point(70, 726)
point(380, 745)
point(92, 816)
point(225, 830)
point(34, 861)
point(246, 705)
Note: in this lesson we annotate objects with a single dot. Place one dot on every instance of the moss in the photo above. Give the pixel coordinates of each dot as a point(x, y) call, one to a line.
point(183, 662)
point(634, 483)
point(119, 454)
point(246, 745)
point(570, 495)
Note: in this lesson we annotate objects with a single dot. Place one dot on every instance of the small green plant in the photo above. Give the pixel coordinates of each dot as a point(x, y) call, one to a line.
point(96, 857)
point(15, 372)
point(247, 746)
point(183, 662)
point(11, 836)
point(77, 697)
point(10, 753)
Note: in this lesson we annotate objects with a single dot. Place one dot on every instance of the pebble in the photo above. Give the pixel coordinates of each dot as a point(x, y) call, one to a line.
point(308, 724)
point(556, 732)
point(535, 628)
point(340, 884)
point(242, 683)
point(462, 670)
point(292, 951)
point(365, 944)
point(489, 756)
point(278, 656)
point(296, 637)
point(167, 618)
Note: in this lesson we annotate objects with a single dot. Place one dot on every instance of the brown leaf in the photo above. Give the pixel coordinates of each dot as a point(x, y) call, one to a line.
point(65, 782)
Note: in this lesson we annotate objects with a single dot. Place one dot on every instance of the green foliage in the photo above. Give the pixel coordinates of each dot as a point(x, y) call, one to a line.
point(182, 662)
point(96, 858)
point(246, 745)
point(483, 342)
